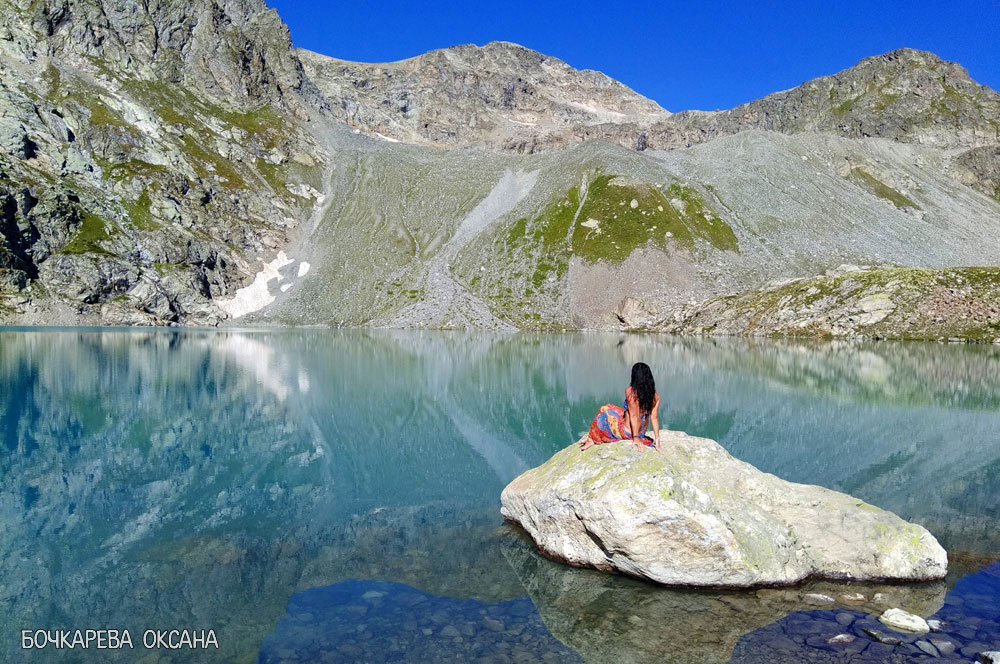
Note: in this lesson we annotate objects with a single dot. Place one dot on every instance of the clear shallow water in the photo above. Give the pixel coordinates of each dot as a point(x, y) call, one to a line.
point(261, 483)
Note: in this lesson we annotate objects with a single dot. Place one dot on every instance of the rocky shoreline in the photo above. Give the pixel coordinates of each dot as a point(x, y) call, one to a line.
point(955, 305)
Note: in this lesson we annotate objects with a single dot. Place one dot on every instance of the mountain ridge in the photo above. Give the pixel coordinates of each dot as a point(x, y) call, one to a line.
point(884, 84)
point(506, 94)
point(220, 176)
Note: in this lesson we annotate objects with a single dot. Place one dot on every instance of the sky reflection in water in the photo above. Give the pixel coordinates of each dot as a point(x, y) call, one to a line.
point(201, 478)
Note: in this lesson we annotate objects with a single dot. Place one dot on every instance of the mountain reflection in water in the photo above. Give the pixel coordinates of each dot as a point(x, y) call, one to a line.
point(200, 478)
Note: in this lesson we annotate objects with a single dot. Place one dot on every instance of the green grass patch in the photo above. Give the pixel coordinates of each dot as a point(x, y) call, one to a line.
point(701, 221)
point(134, 168)
point(102, 115)
point(613, 221)
point(140, 213)
point(263, 122)
point(207, 164)
point(174, 104)
point(164, 268)
point(274, 175)
point(954, 96)
point(53, 83)
point(627, 217)
point(885, 100)
point(92, 231)
point(845, 107)
point(631, 216)
point(873, 185)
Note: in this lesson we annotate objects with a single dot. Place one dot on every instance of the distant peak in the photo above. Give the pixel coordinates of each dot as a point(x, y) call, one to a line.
point(905, 56)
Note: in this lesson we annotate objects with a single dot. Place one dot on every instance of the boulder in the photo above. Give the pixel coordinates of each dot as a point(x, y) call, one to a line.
point(904, 621)
point(634, 313)
point(696, 516)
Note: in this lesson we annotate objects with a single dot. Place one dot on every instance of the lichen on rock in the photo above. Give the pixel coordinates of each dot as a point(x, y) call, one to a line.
point(696, 516)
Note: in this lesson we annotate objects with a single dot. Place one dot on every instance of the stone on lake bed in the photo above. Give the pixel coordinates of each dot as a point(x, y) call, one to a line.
point(818, 599)
point(493, 625)
point(882, 638)
point(841, 638)
point(928, 648)
point(946, 648)
point(904, 621)
point(696, 516)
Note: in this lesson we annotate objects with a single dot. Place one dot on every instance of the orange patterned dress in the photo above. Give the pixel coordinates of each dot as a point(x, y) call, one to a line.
point(611, 425)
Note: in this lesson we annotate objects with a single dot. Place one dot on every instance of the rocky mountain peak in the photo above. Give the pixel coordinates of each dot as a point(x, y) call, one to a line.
point(905, 95)
point(237, 52)
point(497, 95)
point(503, 95)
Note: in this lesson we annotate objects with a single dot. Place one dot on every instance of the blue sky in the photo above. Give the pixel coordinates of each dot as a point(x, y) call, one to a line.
point(702, 55)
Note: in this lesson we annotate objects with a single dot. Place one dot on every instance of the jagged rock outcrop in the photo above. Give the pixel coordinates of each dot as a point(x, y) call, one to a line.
point(696, 516)
point(895, 303)
point(904, 95)
point(235, 52)
point(500, 95)
point(980, 168)
point(149, 154)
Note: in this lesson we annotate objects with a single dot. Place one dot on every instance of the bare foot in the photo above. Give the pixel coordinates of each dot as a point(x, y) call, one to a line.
point(587, 444)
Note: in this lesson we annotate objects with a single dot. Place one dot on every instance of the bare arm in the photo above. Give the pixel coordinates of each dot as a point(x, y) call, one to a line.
point(654, 421)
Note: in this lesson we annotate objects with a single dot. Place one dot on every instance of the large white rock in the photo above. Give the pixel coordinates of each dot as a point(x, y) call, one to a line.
point(696, 516)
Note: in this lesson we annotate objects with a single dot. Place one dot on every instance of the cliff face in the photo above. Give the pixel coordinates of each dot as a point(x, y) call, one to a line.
point(147, 155)
point(165, 162)
point(235, 52)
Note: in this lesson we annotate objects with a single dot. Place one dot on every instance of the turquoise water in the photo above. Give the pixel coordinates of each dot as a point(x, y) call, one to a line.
point(318, 495)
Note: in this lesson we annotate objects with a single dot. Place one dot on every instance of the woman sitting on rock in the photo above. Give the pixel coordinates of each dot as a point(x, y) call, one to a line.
point(628, 422)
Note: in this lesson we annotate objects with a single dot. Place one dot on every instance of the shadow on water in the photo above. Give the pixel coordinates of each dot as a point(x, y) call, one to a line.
point(200, 478)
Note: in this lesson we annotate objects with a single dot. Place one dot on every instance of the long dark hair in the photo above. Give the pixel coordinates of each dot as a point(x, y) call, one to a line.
point(643, 386)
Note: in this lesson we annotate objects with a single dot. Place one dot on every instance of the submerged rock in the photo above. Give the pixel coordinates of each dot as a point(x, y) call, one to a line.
point(904, 621)
point(696, 516)
point(612, 619)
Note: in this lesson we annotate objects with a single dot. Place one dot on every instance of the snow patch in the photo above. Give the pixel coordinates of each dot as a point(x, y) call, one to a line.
point(257, 295)
point(303, 269)
point(387, 138)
